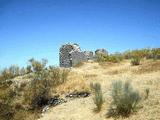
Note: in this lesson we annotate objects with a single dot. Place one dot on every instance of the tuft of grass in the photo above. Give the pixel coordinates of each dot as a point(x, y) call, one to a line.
point(9, 73)
point(125, 99)
point(98, 96)
point(147, 93)
point(135, 61)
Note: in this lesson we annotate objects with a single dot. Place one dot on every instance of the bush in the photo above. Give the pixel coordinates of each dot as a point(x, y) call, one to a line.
point(37, 66)
point(28, 69)
point(135, 61)
point(7, 96)
point(125, 99)
point(98, 96)
point(22, 71)
point(35, 94)
point(57, 76)
point(43, 81)
point(39, 89)
point(7, 111)
point(100, 58)
point(114, 58)
point(155, 53)
point(10, 72)
point(148, 53)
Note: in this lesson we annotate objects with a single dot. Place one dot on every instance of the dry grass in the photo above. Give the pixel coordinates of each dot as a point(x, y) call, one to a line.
point(75, 82)
point(115, 72)
point(90, 75)
point(108, 64)
point(79, 64)
point(144, 76)
point(148, 66)
point(80, 78)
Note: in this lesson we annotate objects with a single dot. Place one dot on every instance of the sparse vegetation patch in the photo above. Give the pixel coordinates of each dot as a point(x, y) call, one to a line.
point(98, 96)
point(135, 61)
point(125, 99)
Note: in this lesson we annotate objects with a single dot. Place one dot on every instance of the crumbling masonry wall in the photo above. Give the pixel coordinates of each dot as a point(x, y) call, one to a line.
point(77, 57)
point(71, 54)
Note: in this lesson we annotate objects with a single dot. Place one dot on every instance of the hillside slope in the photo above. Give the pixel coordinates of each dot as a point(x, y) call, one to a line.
point(147, 75)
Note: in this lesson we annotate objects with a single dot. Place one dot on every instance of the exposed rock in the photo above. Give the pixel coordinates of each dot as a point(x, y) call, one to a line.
point(56, 101)
point(101, 51)
point(45, 109)
point(78, 95)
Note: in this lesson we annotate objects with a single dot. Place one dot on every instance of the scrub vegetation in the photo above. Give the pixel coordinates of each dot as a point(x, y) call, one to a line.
point(24, 92)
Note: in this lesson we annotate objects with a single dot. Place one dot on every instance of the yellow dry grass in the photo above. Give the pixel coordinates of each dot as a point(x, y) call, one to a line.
point(80, 78)
point(75, 82)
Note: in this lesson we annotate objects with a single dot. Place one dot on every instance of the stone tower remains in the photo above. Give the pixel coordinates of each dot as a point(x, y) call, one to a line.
point(71, 54)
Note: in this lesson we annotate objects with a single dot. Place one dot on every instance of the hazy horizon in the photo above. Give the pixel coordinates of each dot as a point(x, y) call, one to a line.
point(37, 29)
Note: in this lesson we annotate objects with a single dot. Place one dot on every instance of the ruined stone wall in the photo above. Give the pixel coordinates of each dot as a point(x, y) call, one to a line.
point(71, 54)
point(89, 55)
point(64, 55)
point(77, 57)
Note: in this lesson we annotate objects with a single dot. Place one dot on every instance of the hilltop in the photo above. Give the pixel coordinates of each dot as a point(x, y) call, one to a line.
point(85, 91)
point(105, 74)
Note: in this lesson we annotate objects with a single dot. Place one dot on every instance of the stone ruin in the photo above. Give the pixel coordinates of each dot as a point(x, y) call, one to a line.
point(71, 54)
point(89, 55)
point(101, 51)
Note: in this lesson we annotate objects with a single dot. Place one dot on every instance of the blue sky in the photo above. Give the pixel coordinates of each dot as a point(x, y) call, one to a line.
point(37, 28)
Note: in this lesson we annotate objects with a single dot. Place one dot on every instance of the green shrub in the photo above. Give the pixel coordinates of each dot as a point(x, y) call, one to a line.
point(9, 73)
point(57, 76)
point(125, 99)
point(155, 53)
point(100, 58)
point(43, 81)
point(22, 71)
point(6, 111)
point(39, 90)
point(7, 96)
point(35, 94)
point(148, 53)
point(28, 69)
point(135, 61)
point(114, 58)
point(98, 96)
point(37, 66)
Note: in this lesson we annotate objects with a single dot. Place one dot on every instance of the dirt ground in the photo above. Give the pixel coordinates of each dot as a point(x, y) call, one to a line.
point(146, 75)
